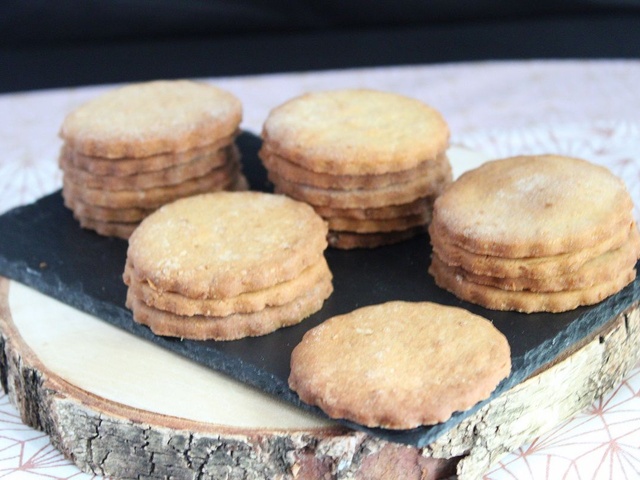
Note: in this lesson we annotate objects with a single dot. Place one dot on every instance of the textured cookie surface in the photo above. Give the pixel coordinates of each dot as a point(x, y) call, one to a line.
point(399, 364)
point(533, 206)
point(149, 118)
point(223, 244)
point(354, 132)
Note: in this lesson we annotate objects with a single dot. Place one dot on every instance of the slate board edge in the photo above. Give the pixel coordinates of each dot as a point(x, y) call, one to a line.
point(248, 373)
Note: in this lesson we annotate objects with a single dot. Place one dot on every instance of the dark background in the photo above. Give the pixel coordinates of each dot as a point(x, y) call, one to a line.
point(63, 43)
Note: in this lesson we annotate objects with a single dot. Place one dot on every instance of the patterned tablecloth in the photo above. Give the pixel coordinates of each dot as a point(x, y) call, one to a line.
point(589, 109)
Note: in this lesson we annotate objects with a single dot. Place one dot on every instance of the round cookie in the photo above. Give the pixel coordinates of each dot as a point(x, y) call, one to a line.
point(235, 325)
point(160, 178)
point(395, 194)
point(528, 267)
point(247, 302)
point(172, 175)
point(339, 224)
point(104, 214)
point(297, 174)
point(351, 240)
point(420, 206)
point(108, 229)
point(220, 178)
point(399, 365)
point(124, 167)
point(602, 269)
point(222, 244)
point(150, 118)
point(533, 206)
point(355, 132)
point(453, 280)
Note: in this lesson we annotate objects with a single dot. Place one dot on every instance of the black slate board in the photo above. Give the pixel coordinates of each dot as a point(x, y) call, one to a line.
point(42, 246)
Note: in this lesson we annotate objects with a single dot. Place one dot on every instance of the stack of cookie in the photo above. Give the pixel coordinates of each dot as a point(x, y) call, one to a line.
point(227, 265)
point(534, 233)
point(136, 148)
point(371, 163)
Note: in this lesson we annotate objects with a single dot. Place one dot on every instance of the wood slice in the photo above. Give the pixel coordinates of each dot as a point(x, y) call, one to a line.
point(119, 406)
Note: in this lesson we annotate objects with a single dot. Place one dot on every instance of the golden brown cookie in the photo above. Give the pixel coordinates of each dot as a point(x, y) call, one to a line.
point(297, 174)
point(223, 244)
point(123, 167)
point(529, 267)
point(351, 240)
point(339, 224)
point(171, 175)
point(253, 301)
point(220, 178)
point(108, 229)
point(355, 132)
point(104, 214)
point(421, 206)
point(602, 269)
point(453, 279)
point(533, 206)
point(235, 325)
point(145, 119)
point(399, 365)
point(399, 193)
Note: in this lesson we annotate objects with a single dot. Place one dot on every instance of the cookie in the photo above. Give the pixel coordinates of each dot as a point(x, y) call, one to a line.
point(278, 294)
point(220, 245)
point(395, 194)
point(369, 162)
point(108, 229)
point(529, 267)
point(122, 167)
point(172, 175)
point(351, 240)
point(453, 279)
point(220, 178)
point(294, 173)
point(602, 269)
point(420, 206)
point(399, 365)
point(151, 118)
point(533, 206)
point(355, 132)
point(104, 214)
point(235, 325)
point(339, 224)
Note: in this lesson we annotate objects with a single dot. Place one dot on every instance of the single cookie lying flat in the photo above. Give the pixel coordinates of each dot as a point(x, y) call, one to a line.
point(399, 365)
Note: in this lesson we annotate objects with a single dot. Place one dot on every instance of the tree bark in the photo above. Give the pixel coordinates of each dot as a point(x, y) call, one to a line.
point(106, 437)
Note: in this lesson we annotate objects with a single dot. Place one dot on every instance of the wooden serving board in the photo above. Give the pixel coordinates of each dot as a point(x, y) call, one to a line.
point(120, 406)
point(115, 426)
